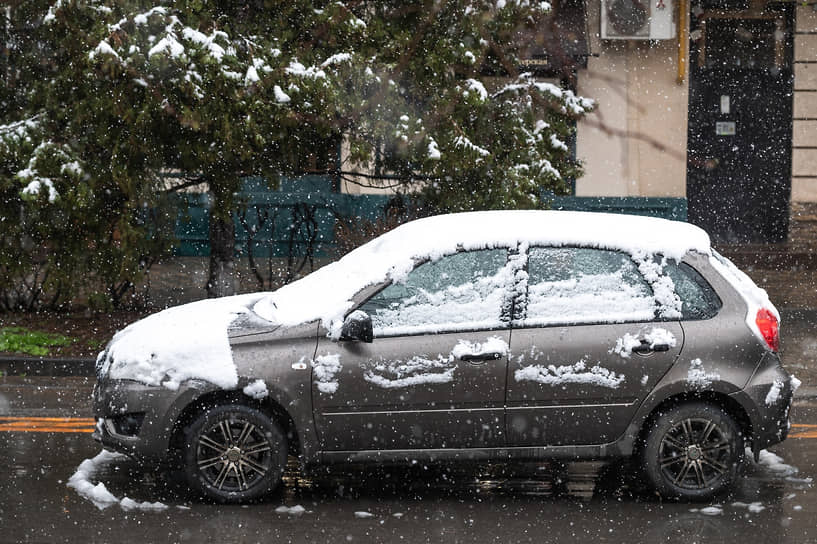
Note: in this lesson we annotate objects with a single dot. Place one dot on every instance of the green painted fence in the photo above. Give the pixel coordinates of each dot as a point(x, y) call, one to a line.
point(276, 223)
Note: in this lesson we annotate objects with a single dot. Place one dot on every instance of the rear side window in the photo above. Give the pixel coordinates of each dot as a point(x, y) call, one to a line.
point(585, 285)
point(698, 298)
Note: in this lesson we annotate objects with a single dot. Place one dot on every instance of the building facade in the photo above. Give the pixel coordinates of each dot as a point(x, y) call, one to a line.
point(722, 112)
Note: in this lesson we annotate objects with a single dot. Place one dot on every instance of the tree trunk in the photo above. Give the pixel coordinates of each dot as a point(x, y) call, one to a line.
point(222, 247)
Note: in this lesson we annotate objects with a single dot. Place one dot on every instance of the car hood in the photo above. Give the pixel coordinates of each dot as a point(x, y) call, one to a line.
point(191, 341)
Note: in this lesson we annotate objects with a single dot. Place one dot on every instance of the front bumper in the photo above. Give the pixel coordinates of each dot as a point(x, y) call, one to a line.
point(768, 398)
point(137, 419)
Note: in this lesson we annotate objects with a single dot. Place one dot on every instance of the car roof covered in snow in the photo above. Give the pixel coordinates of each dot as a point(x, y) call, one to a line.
point(326, 294)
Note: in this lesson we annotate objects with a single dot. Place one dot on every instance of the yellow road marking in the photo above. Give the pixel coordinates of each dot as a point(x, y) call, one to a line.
point(29, 424)
point(804, 435)
point(803, 430)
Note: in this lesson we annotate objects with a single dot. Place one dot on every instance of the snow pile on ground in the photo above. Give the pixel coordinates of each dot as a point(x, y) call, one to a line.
point(99, 494)
point(774, 464)
point(325, 369)
point(181, 343)
point(256, 390)
point(391, 256)
point(713, 510)
point(576, 373)
point(296, 510)
point(753, 507)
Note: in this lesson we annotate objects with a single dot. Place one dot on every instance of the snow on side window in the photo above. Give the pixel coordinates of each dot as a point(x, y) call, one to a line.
point(462, 291)
point(584, 285)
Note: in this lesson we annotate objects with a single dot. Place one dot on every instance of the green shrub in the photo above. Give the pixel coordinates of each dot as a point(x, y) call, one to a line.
point(22, 340)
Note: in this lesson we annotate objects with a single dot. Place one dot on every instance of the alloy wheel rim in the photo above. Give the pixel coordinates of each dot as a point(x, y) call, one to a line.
point(233, 454)
point(695, 453)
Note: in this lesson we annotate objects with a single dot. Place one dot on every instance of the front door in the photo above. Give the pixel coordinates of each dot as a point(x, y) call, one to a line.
point(740, 124)
point(434, 376)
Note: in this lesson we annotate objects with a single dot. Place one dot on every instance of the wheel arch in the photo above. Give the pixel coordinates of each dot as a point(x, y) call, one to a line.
point(723, 401)
point(221, 397)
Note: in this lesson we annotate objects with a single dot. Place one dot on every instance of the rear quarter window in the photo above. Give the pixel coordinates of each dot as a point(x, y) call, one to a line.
point(698, 299)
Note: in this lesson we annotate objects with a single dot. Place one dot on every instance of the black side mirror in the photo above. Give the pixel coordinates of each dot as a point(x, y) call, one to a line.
point(357, 327)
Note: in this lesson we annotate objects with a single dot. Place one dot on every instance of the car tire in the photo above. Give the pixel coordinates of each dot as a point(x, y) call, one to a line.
point(234, 454)
point(692, 451)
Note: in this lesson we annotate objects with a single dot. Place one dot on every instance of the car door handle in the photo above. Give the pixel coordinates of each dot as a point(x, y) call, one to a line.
point(480, 357)
point(645, 347)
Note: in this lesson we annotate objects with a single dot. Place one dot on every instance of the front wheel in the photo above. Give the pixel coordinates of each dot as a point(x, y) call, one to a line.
point(692, 451)
point(234, 454)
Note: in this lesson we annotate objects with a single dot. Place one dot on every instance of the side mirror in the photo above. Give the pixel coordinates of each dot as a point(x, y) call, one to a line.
point(357, 327)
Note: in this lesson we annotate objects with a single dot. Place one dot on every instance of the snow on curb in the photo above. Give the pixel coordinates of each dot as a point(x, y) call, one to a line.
point(98, 494)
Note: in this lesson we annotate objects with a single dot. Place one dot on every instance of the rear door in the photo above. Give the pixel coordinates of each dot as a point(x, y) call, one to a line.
point(586, 348)
point(434, 376)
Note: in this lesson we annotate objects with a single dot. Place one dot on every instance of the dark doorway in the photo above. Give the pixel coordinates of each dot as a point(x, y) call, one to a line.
point(740, 111)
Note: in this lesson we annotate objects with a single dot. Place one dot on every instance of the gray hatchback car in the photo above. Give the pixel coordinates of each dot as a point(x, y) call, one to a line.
point(491, 336)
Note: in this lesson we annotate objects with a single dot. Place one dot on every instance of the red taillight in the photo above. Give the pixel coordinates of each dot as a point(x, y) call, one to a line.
point(769, 329)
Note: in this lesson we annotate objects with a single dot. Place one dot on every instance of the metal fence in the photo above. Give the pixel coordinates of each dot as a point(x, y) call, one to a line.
point(303, 213)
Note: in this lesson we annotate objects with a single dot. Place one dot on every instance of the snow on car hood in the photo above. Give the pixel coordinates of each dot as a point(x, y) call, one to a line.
point(326, 294)
point(180, 343)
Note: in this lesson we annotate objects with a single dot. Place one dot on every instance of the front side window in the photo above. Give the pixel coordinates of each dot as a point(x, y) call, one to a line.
point(463, 291)
point(584, 285)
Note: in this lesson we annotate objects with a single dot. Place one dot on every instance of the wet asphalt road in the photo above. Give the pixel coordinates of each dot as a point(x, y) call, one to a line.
point(575, 502)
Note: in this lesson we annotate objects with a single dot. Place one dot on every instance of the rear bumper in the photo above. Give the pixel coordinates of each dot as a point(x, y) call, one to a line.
point(767, 398)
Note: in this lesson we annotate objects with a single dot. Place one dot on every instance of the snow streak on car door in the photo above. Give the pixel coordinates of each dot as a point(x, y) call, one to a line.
point(586, 351)
point(434, 376)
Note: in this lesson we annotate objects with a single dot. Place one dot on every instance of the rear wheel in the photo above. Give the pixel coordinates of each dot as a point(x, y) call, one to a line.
point(234, 454)
point(692, 451)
